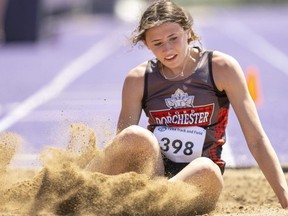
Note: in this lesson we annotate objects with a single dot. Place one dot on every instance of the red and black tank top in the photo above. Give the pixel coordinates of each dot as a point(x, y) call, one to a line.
point(193, 101)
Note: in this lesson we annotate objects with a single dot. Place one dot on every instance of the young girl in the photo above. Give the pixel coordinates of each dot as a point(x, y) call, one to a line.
point(185, 92)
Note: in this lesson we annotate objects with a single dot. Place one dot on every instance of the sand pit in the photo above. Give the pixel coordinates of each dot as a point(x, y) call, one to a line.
point(63, 187)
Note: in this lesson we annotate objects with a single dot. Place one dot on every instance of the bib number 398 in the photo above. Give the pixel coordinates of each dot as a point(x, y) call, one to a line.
point(181, 144)
point(177, 146)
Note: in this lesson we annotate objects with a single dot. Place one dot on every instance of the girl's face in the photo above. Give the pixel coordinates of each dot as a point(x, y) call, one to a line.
point(169, 44)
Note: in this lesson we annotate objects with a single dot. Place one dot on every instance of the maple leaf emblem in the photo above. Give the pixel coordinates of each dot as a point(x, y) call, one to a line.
point(179, 99)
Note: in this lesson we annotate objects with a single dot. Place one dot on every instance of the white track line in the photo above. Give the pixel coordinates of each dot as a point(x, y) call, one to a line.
point(258, 45)
point(65, 77)
point(227, 154)
point(25, 161)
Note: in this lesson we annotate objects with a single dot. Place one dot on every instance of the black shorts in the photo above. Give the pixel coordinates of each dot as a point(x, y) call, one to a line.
point(172, 168)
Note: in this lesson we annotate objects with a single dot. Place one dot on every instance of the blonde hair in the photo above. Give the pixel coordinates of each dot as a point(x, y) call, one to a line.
point(160, 12)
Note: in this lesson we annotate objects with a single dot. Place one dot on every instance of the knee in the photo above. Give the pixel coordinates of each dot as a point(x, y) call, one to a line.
point(134, 132)
point(202, 171)
point(136, 137)
point(207, 177)
point(139, 150)
point(206, 167)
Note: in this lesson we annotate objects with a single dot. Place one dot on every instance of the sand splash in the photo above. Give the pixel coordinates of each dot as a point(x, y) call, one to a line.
point(63, 187)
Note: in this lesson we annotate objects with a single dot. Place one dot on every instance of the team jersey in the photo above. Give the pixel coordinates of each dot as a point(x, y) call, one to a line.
point(193, 109)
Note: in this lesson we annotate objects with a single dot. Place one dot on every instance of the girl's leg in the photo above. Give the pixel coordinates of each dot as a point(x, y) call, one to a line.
point(133, 149)
point(205, 174)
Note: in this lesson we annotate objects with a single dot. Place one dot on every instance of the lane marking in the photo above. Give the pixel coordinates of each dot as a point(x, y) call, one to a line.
point(25, 161)
point(257, 44)
point(241, 34)
point(65, 77)
point(227, 154)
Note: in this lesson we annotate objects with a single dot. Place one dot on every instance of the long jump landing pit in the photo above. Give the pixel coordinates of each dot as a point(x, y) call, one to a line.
point(61, 186)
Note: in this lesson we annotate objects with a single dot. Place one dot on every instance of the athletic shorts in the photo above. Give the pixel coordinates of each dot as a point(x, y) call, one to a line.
point(172, 168)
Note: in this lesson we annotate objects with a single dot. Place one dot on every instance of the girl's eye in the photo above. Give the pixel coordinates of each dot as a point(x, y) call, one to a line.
point(157, 44)
point(173, 38)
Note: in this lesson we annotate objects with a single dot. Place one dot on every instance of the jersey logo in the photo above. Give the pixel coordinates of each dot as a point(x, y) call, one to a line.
point(182, 112)
point(179, 99)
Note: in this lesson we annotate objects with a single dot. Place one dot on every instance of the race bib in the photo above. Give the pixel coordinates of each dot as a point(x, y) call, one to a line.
point(181, 144)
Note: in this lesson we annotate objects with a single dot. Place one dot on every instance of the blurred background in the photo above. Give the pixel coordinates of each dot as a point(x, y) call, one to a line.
point(64, 62)
point(30, 20)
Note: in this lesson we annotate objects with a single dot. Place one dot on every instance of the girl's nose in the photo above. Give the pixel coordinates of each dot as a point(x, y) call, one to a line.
point(167, 46)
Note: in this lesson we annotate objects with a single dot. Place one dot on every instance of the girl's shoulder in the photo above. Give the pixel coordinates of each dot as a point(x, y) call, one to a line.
point(138, 71)
point(226, 69)
point(223, 60)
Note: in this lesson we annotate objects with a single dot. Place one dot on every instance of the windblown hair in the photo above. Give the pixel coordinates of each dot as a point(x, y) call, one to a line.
point(160, 12)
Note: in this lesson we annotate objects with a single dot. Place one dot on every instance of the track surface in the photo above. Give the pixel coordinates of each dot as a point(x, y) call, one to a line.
point(76, 75)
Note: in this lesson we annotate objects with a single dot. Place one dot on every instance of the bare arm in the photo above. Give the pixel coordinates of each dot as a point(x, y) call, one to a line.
point(132, 94)
point(229, 76)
